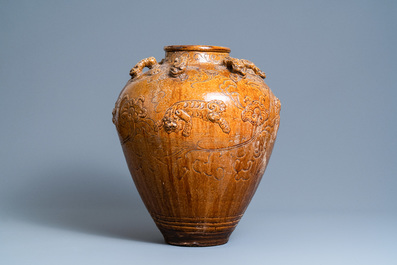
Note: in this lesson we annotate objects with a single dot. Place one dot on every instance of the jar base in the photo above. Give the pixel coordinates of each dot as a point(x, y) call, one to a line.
point(196, 231)
point(196, 240)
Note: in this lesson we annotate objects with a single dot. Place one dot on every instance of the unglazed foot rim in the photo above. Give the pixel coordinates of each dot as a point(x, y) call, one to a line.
point(197, 242)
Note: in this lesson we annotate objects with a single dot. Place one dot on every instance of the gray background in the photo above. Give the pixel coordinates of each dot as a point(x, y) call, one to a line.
point(329, 195)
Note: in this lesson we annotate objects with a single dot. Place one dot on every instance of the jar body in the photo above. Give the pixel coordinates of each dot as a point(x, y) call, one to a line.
point(197, 131)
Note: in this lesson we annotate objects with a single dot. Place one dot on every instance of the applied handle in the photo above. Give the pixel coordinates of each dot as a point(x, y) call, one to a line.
point(137, 69)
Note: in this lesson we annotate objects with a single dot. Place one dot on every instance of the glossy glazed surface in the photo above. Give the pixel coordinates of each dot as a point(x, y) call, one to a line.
point(197, 131)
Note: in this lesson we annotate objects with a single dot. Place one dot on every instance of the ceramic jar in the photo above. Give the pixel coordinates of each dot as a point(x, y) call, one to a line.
point(197, 130)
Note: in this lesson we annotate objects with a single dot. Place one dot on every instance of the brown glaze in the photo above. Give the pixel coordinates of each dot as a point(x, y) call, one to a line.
point(197, 130)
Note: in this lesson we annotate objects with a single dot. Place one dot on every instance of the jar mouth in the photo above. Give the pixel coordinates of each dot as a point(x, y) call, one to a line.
point(197, 48)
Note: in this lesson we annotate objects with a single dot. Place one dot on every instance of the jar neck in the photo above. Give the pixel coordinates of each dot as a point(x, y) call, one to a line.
point(194, 54)
point(196, 57)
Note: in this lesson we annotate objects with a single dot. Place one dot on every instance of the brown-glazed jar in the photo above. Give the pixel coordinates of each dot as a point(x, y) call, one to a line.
point(197, 130)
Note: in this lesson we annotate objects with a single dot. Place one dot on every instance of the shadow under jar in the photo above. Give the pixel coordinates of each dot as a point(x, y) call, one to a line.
point(197, 130)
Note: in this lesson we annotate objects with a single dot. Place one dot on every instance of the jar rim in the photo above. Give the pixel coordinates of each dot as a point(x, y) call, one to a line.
point(198, 48)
